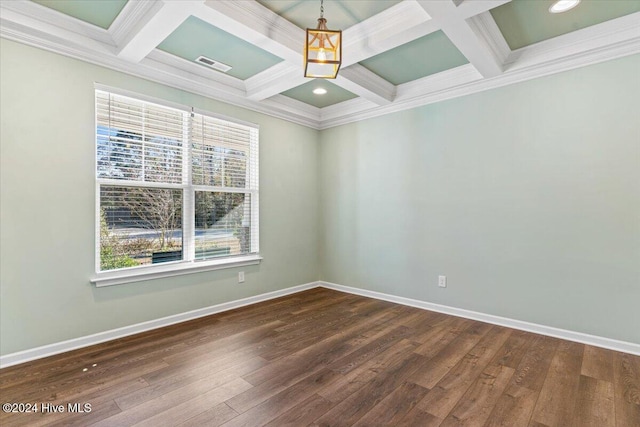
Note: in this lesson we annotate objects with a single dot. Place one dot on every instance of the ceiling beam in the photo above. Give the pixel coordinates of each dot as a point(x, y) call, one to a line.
point(156, 25)
point(469, 8)
point(251, 21)
point(463, 35)
point(393, 27)
point(364, 83)
point(254, 23)
point(274, 80)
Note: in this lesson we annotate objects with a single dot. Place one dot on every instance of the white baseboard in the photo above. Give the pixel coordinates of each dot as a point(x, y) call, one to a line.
point(86, 341)
point(623, 346)
point(100, 337)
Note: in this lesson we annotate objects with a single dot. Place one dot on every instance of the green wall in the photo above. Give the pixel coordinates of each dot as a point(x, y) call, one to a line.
point(48, 197)
point(526, 197)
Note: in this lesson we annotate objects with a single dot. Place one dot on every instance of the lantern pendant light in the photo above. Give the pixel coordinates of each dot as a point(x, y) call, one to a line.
point(322, 50)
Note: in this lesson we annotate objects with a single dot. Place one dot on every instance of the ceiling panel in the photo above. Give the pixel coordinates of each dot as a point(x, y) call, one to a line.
point(334, 95)
point(97, 12)
point(195, 37)
point(422, 57)
point(525, 22)
point(340, 14)
point(396, 55)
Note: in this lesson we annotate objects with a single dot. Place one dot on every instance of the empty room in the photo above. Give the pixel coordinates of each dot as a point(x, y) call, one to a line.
point(320, 213)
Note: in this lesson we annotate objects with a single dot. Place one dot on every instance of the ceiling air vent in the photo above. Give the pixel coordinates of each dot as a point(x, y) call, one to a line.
point(216, 65)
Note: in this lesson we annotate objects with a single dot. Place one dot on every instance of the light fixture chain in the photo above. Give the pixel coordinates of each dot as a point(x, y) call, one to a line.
point(321, 8)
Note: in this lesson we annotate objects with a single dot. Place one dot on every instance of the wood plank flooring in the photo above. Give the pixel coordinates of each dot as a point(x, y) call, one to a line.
point(325, 358)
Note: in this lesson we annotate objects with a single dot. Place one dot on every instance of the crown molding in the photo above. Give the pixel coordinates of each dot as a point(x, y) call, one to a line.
point(176, 77)
point(426, 90)
point(623, 31)
point(366, 84)
point(127, 21)
point(487, 30)
point(256, 24)
point(337, 114)
point(462, 34)
point(184, 69)
point(35, 32)
point(439, 82)
point(44, 18)
point(400, 24)
point(468, 8)
point(293, 106)
point(34, 25)
point(159, 69)
point(274, 80)
point(267, 30)
point(406, 97)
point(154, 27)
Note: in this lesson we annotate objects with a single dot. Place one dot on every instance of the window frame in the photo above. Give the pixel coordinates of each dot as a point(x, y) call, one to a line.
point(188, 264)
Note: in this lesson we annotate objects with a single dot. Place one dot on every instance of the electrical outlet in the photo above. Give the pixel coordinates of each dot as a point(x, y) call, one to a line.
point(442, 281)
point(241, 277)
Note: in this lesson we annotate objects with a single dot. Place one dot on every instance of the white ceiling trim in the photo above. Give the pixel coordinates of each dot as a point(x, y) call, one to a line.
point(254, 23)
point(400, 24)
point(29, 23)
point(51, 33)
point(469, 8)
point(49, 18)
point(620, 43)
point(366, 84)
point(462, 35)
point(159, 67)
point(130, 16)
point(620, 32)
point(487, 30)
point(274, 80)
point(153, 27)
point(235, 85)
point(262, 27)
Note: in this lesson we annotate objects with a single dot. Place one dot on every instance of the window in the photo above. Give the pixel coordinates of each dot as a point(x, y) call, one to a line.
point(176, 190)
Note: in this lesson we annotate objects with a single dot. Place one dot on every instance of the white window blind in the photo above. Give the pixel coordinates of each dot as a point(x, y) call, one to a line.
point(173, 186)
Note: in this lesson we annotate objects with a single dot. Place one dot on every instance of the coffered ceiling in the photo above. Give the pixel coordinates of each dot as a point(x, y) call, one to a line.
point(398, 54)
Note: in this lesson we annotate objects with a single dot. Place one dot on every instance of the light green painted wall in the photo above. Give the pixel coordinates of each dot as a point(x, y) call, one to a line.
point(529, 216)
point(47, 202)
point(526, 197)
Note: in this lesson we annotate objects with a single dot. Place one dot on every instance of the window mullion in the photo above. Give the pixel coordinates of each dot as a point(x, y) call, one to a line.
point(188, 198)
point(156, 165)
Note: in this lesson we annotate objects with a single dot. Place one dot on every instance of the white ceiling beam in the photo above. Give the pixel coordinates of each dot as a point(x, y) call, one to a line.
point(161, 20)
point(73, 38)
point(469, 8)
point(463, 34)
point(126, 23)
point(254, 23)
point(55, 24)
point(364, 83)
point(486, 28)
point(610, 39)
point(260, 26)
point(393, 27)
point(274, 80)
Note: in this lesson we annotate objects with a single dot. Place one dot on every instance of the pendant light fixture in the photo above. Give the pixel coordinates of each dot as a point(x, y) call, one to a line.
point(322, 50)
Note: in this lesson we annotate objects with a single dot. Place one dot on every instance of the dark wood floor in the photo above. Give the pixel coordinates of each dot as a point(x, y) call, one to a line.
point(327, 358)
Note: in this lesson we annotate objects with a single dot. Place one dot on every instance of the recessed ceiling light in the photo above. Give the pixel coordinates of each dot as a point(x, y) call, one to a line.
point(319, 91)
point(563, 5)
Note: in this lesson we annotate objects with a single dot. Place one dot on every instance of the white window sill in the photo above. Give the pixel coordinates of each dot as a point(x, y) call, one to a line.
point(169, 269)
